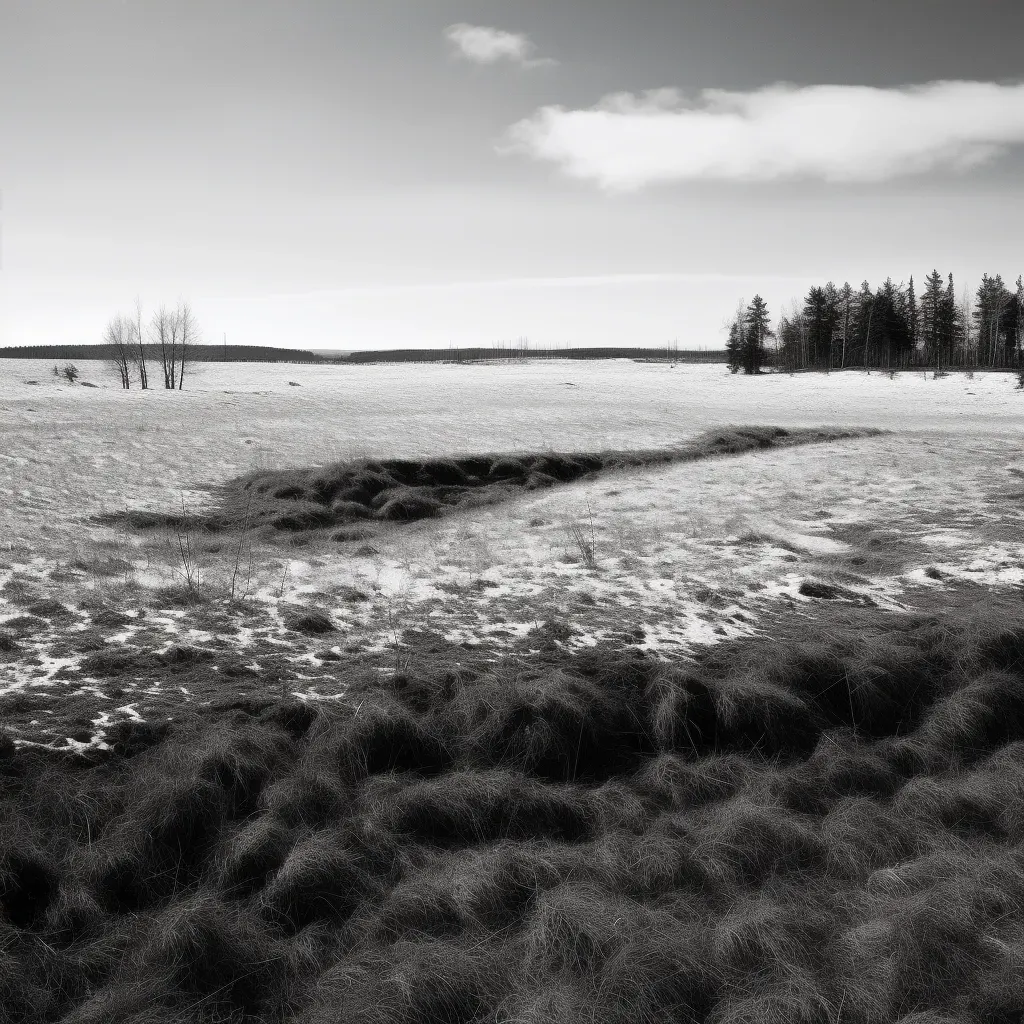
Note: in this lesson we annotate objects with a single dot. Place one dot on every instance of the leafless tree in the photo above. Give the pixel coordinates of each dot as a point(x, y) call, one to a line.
point(176, 333)
point(139, 347)
point(188, 338)
point(119, 337)
point(165, 334)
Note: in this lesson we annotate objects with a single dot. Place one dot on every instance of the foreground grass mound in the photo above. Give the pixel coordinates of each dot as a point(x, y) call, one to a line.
point(820, 826)
point(407, 490)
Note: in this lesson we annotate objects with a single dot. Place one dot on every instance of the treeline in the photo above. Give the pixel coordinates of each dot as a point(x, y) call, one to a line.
point(888, 327)
point(200, 353)
point(515, 352)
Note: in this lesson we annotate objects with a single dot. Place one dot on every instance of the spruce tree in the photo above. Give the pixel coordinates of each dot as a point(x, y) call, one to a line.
point(758, 331)
point(1015, 323)
point(992, 302)
point(931, 315)
point(846, 311)
point(949, 325)
point(734, 347)
point(912, 315)
point(864, 322)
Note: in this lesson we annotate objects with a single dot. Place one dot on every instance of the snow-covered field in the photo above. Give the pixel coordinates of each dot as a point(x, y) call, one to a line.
point(684, 555)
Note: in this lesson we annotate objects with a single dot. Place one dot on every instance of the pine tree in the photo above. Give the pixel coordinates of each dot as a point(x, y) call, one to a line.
point(847, 312)
point(758, 331)
point(1015, 322)
point(790, 333)
point(931, 315)
point(891, 329)
point(949, 325)
point(864, 323)
point(734, 347)
point(992, 304)
point(912, 315)
point(815, 319)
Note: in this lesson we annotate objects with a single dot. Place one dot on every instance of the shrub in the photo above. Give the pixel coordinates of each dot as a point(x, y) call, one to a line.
point(68, 372)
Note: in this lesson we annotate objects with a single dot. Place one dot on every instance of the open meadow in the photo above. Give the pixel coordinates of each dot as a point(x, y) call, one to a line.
point(556, 691)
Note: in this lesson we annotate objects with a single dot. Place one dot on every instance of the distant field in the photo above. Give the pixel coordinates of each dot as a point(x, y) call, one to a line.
point(738, 739)
point(695, 550)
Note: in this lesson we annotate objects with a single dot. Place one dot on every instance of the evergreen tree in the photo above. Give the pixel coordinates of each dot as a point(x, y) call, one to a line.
point(912, 315)
point(991, 305)
point(950, 327)
point(847, 311)
point(931, 314)
point(891, 329)
point(821, 318)
point(758, 331)
point(1015, 323)
point(816, 322)
point(863, 347)
point(791, 330)
point(734, 346)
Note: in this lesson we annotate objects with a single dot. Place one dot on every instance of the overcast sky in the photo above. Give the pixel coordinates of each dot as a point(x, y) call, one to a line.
point(382, 173)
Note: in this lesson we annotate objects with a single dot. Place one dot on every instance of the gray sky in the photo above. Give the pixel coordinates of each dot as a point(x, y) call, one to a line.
point(418, 172)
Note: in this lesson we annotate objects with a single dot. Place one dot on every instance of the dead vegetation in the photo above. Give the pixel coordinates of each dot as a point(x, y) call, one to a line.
point(297, 501)
point(826, 825)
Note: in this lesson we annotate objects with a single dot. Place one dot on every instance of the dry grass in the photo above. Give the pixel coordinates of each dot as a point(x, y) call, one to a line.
point(823, 829)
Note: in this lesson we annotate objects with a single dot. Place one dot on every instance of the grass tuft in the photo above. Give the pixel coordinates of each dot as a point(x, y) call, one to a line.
point(821, 826)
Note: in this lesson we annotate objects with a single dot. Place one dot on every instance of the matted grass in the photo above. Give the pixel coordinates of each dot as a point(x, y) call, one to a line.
point(823, 826)
point(406, 490)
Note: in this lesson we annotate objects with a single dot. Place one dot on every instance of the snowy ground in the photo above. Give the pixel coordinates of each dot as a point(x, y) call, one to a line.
point(683, 555)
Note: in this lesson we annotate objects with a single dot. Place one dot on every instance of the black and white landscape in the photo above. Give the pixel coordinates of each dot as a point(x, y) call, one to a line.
point(512, 512)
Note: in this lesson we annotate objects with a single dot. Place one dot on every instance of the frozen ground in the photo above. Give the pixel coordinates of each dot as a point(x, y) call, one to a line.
point(682, 555)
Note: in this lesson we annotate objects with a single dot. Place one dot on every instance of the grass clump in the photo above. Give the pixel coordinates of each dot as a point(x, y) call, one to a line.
point(310, 621)
point(408, 490)
point(802, 828)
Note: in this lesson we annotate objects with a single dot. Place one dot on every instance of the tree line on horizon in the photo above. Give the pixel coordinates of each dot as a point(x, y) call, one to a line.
point(887, 327)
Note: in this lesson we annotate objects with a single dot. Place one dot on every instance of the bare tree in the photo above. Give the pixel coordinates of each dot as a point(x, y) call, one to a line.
point(140, 346)
point(176, 332)
point(165, 333)
point(188, 338)
point(119, 337)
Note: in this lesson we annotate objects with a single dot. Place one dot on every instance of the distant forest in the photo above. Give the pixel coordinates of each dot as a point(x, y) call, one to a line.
point(197, 353)
point(889, 327)
point(519, 352)
point(514, 352)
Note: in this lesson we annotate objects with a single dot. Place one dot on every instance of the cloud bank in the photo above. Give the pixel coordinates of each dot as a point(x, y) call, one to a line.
point(837, 133)
point(484, 45)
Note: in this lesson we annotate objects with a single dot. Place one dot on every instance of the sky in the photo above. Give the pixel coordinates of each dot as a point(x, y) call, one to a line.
point(334, 174)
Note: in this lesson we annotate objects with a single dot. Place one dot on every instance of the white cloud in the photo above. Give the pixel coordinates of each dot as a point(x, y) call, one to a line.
point(837, 133)
point(489, 45)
